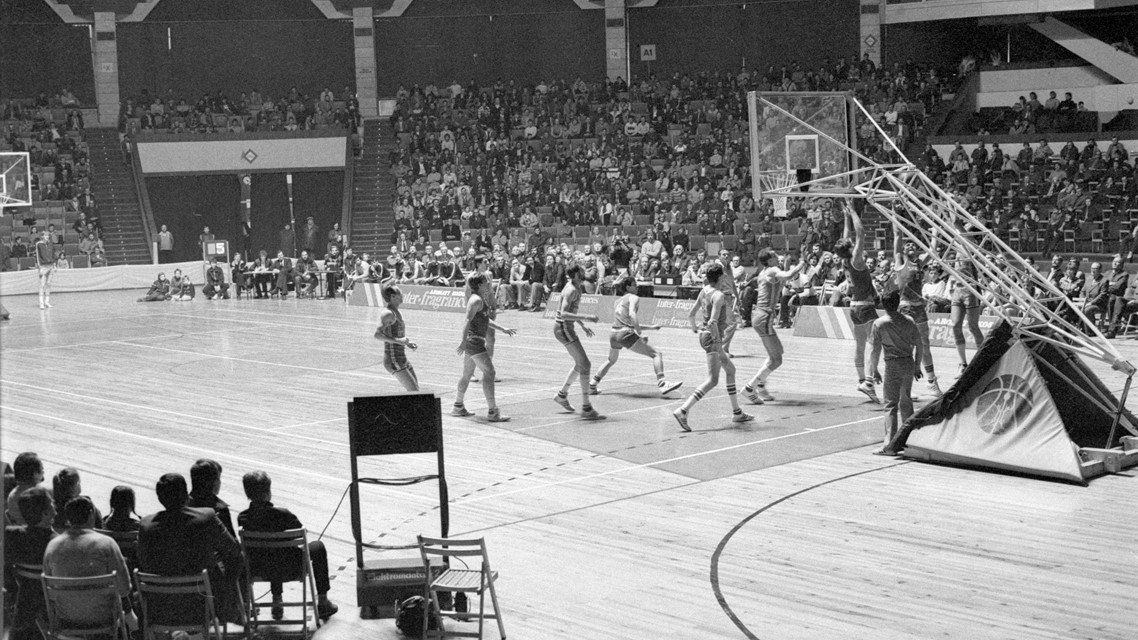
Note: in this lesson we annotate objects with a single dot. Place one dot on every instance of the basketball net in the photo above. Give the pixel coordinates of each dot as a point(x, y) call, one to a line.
point(774, 185)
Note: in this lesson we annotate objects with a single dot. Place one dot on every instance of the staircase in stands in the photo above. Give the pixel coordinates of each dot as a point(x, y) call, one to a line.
point(112, 185)
point(373, 186)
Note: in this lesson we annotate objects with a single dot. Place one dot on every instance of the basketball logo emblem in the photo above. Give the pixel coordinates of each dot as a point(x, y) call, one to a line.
point(1004, 404)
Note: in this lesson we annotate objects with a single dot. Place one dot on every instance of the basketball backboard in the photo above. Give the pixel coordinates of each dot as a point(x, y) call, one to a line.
point(15, 179)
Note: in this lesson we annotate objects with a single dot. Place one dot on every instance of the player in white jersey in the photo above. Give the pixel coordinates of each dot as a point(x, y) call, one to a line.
point(908, 269)
point(626, 334)
point(712, 328)
point(770, 281)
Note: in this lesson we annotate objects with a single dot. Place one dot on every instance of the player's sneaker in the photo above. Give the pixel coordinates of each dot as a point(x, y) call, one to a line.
point(564, 402)
point(591, 414)
point(495, 415)
point(866, 387)
point(742, 417)
point(459, 411)
point(681, 417)
point(753, 396)
point(934, 388)
point(669, 387)
point(763, 394)
point(593, 391)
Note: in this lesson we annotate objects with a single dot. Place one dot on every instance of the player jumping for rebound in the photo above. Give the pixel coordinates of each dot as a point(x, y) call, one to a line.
point(770, 280)
point(565, 332)
point(909, 267)
point(863, 308)
point(45, 267)
point(626, 329)
point(473, 348)
point(712, 302)
point(392, 331)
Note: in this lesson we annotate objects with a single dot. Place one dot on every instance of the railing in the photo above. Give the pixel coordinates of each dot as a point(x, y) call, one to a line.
point(349, 186)
point(149, 226)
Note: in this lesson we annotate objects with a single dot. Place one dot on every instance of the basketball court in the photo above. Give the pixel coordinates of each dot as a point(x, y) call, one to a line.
point(624, 528)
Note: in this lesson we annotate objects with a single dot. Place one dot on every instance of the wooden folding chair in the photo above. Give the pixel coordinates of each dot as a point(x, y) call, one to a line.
point(253, 542)
point(158, 593)
point(467, 580)
point(62, 595)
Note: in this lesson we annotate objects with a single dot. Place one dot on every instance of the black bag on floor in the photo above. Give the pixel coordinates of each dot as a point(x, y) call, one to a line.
point(409, 616)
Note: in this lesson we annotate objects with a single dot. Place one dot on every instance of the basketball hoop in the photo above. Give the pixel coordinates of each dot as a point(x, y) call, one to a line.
point(775, 185)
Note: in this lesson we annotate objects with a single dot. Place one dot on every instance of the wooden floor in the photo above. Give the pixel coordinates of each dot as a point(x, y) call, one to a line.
point(625, 528)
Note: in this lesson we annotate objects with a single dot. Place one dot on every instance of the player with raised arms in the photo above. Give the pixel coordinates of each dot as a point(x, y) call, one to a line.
point(863, 307)
point(712, 302)
point(45, 267)
point(393, 332)
point(770, 281)
point(626, 334)
point(473, 348)
point(908, 269)
point(564, 330)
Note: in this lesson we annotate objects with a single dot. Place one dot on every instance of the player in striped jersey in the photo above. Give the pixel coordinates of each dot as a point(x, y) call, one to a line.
point(770, 281)
point(712, 302)
point(392, 331)
point(626, 329)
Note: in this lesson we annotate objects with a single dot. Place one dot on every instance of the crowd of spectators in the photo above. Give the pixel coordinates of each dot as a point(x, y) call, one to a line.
point(250, 111)
point(59, 531)
point(1030, 116)
point(1042, 197)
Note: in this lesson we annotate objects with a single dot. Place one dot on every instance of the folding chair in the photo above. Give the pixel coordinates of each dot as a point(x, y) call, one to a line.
point(159, 596)
point(1096, 241)
point(62, 595)
point(465, 580)
point(30, 605)
point(1014, 239)
point(1069, 239)
point(254, 542)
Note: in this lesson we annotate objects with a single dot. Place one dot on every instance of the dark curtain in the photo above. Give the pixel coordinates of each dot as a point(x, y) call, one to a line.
point(46, 58)
point(186, 204)
point(270, 212)
point(319, 194)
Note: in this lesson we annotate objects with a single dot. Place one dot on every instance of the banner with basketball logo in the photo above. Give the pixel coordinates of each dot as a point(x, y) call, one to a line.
point(1008, 420)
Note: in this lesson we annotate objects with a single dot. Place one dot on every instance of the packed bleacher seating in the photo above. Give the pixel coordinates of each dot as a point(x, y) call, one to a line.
point(50, 129)
point(1030, 116)
point(249, 111)
point(58, 532)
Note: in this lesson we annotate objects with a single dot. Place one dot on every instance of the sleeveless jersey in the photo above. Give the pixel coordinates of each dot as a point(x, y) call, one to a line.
point(396, 329)
point(622, 313)
point(480, 323)
point(768, 294)
point(708, 306)
point(861, 283)
point(570, 300)
point(909, 279)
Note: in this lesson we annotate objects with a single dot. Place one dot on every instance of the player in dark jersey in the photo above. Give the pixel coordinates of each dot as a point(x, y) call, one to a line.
point(473, 348)
point(770, 281)
point(626, 330)
point(564, 330)
point(863, 304)
point(45, 266)
point(393, 332)
point(712, 328)
point(908, 270)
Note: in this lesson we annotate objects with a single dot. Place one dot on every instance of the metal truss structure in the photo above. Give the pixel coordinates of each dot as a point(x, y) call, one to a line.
point(942, 228)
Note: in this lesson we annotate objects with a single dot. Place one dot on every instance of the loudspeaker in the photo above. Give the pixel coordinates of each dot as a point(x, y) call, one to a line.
point(803, 175)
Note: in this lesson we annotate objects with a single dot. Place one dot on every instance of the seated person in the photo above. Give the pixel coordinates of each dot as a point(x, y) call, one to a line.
point(449, 271)
point(19, 249)
point(239, 270)
point(333, 265)
point(81, 552)
point(282, 266)
point(215, 284)
point(65, 487)
point(304, 279)
point(26, 544)
point(263, 272)
point(122, 513)
point(182, 540)
point(27, 471)
point(181, 289)
point(205, 483)
point(281, 564)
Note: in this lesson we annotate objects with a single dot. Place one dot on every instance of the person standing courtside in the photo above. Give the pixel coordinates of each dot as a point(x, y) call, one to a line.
point(899, 339)
point(45, 266)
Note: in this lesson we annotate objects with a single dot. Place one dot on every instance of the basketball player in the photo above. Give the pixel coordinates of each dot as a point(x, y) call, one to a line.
point(45, 266)
point(900, 340)
point(564, 330)
point(965, 306)
point(474, 349)
point(851, 252)
point(908, 267)
point(482, 265)
point(770, 281)
point(392, 331)
point(712, 302)
point(731, 291)
point(626, 330)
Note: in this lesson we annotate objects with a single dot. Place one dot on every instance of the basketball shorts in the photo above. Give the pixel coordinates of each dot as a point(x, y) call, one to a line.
point(623, 337)
point(565, 332)
point(763, 322)
point(708, 342)
point(474, 345)
point(964, 298)
point(862, 313)
point(395, 359)
point(915, 311)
